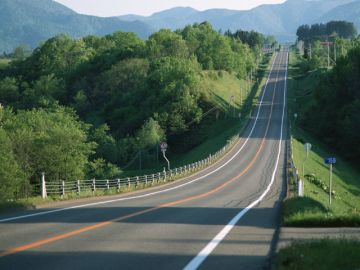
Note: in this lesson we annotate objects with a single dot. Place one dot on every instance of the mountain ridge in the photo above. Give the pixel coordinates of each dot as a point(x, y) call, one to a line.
point(280, 20)
point(31, 22)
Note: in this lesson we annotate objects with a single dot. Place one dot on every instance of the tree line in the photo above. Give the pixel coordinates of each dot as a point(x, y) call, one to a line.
point(326, 32)
point(80, 108)
point(333, 114)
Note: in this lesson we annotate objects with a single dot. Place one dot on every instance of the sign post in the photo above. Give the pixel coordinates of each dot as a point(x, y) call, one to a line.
point(164, 147)
point(330, 161)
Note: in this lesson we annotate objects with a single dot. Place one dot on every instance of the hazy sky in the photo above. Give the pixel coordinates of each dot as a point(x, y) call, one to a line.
point(107, 8)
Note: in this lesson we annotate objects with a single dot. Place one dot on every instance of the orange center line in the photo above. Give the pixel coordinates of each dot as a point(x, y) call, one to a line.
point(105, 223)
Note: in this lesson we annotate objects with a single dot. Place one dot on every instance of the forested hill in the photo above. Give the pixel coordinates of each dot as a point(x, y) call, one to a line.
point(33, 21)
point(81, 108)
point(329, 106)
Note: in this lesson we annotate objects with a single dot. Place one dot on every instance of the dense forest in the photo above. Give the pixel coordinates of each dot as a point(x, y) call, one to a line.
point(332, 114)
point(79, 108)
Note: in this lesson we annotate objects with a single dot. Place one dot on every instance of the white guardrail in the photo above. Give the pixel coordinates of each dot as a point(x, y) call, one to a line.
point(63, 188)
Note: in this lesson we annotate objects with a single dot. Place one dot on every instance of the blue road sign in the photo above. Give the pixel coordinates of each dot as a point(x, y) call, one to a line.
point(330, 160)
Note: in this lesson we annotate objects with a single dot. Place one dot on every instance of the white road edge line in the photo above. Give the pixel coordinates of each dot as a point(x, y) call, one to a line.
point(157, 192)
point(209, 248)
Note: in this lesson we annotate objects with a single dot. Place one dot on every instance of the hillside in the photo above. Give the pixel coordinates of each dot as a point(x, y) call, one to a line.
point(32, 22)
point(102, 102)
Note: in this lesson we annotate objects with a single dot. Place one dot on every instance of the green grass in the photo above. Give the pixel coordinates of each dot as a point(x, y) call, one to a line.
point(218, 87)
point(323, 254)
point(32, 202)
point(4, 63)
point(314, 209)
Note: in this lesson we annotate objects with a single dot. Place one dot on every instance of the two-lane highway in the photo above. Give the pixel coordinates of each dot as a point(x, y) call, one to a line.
point(224, 217)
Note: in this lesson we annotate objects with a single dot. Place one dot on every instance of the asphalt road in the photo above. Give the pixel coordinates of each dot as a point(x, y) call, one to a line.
point(225, 217)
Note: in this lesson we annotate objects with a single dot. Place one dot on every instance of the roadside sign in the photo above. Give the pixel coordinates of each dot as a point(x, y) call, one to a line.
point(163, 146)
point(327, 43)
point(330, 160)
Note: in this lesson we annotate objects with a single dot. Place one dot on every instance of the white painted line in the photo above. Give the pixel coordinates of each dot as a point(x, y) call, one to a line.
point(209, 248)
point(156, 192)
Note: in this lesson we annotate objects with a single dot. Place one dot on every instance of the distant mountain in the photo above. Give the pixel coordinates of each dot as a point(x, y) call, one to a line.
point(349, 12)
point(280, 20)
point(32, 21)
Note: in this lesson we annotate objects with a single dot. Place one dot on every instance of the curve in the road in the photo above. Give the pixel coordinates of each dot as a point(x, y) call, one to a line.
point(207, 250)
point(156, 192)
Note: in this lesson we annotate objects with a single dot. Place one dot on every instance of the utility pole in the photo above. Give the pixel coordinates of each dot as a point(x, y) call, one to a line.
point(157, 152)
point(307, 147)
point(328, 45)
point(232, 99)
point(310, 52)
point(248, 82)
point(140, 161)
point(241, 98)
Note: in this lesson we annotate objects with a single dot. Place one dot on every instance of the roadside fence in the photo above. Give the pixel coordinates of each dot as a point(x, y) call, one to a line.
point(91, 186)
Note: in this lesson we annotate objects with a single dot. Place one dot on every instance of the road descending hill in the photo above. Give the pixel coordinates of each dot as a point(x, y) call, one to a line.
point(224, 217)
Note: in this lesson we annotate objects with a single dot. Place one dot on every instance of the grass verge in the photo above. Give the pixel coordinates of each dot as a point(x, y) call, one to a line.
point(314, 209)
point(322, 254)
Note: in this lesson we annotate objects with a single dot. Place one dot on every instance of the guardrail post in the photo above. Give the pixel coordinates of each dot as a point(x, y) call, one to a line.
point(107, 184)
point(146, 180)
point(43, 186)
point(118, 185)
point(63, 188)
point(129, 183)
point(78, 186)
point(159, 176)
point(164, 175)
point(137, 181)
point(94, 186)
point(153, 179)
